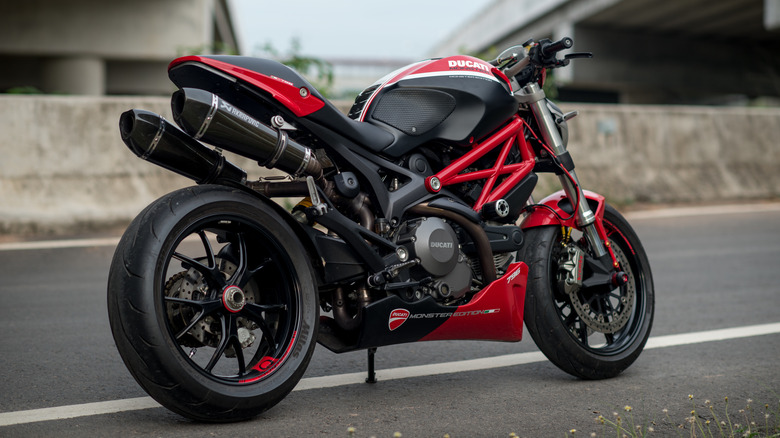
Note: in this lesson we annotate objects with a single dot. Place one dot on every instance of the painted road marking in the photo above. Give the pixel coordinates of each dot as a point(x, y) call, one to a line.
point(114, 406)
point(710, 210)
point(57, 244)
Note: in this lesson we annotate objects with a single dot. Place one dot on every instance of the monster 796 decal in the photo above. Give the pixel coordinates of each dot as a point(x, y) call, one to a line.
point(399, 316)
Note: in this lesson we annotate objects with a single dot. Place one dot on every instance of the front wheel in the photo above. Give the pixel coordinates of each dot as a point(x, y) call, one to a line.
point(591, 333)
point(213, 304)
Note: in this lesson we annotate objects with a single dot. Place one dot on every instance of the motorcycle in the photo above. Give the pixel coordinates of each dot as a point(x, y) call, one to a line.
point(416, 223)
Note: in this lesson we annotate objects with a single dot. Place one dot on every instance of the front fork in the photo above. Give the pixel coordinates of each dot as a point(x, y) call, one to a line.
point(533, 96)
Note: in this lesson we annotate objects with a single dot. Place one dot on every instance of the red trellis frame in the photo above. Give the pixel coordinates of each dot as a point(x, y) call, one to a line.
point(507, 136)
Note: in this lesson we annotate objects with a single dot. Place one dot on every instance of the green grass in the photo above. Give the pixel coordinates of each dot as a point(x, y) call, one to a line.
point(708, 421)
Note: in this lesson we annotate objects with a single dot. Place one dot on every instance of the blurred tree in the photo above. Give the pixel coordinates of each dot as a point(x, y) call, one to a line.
point(217, 48)
point(24, 89)
point(317, 71)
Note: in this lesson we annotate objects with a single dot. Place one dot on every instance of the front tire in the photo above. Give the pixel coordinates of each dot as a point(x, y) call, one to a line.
point(588, 334)
point(213, 304)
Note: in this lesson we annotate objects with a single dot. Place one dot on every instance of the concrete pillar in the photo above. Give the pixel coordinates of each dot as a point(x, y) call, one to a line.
point(75, 75)
point(564, 29)
point(771, 14)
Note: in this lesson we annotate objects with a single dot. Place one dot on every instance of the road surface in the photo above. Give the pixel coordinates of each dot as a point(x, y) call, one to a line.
point(716, 335)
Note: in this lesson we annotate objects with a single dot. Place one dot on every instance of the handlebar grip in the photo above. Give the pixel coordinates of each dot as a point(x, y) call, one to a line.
point(552, 48)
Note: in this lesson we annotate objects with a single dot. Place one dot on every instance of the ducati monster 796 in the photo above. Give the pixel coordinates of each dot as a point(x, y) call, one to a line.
point(415, 223)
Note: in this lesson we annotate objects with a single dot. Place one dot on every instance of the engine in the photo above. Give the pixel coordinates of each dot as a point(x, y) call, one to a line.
point(435, 244)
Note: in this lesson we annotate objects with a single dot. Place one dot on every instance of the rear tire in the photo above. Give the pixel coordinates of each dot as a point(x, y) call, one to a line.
point(560, 330)
point(213, 304)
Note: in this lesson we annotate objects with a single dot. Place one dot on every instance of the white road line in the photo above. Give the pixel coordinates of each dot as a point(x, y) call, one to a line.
point(712, 335)
point(74, 411)
point(110, 407)
point(702, 211)
point(57, 244)
point(422, 370)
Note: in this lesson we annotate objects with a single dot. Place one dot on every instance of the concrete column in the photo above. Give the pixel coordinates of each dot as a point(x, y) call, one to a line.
point(771, 14)
point(75, 75)
point(564, 29)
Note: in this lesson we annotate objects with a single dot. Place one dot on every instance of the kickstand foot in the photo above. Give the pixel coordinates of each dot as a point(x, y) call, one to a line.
point(371, 373)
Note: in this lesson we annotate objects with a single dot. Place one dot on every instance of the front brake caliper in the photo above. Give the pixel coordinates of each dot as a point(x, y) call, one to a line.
point(570, 266)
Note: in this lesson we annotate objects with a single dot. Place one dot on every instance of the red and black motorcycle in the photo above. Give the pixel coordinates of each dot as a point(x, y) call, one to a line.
point(416, 223)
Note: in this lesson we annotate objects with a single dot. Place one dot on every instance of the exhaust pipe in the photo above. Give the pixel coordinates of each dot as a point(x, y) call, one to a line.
point(154, 139)
point(209, 118)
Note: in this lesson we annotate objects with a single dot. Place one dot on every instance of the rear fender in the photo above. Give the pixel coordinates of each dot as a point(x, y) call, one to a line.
point(560, 203)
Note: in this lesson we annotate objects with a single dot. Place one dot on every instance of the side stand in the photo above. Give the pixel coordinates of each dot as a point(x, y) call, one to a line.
point(371, 373)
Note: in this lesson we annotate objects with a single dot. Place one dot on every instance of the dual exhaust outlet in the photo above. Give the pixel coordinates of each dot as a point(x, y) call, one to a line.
point(206, 117)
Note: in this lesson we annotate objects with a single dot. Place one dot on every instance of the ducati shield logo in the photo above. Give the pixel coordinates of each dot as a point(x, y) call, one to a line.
point(397, 317)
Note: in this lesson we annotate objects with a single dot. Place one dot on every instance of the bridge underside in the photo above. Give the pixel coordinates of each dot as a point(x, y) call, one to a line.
point(646, 51)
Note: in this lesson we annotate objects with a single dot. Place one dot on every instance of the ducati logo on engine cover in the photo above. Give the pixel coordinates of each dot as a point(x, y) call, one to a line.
point(397, 317)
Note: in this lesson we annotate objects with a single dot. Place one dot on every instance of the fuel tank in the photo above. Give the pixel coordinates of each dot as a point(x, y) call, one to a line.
point(457, 99)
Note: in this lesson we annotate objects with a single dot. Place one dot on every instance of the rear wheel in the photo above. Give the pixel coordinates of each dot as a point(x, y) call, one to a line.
point(213, 304)
point(596, 332)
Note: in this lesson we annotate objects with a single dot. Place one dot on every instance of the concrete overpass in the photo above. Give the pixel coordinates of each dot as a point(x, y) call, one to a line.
point(95, 47)
point(646, 51)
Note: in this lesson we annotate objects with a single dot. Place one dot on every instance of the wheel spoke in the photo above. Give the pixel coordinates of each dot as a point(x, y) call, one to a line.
point(267, 336)
point(189, 262)
point(239, 357)
point(254, 312)
point(570, 320)
point(209, 251)
point(241, 269)
point(227, 328)
point(206, 305)
point(251, 272)
point(605, 306)
point(270, 307)
point(583, 332)
point(206, 308)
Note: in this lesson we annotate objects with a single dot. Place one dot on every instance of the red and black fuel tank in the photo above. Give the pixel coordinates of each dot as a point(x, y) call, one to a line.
point(459, 99)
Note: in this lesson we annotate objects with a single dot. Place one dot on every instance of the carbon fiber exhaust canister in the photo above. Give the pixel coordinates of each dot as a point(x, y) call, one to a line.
point(154, 139)
point(211, 119)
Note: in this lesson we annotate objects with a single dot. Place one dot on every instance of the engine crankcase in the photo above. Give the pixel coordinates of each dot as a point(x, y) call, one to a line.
point(434, 242)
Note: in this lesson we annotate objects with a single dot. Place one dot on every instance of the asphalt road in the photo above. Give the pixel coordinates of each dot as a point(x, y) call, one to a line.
point(713, 268)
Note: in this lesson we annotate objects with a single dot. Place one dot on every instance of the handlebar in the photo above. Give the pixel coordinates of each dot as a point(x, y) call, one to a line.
point(551, 49)
point(528, 62)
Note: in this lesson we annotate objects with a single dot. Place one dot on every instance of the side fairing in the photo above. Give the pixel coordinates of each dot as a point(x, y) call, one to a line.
point(494, 314)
